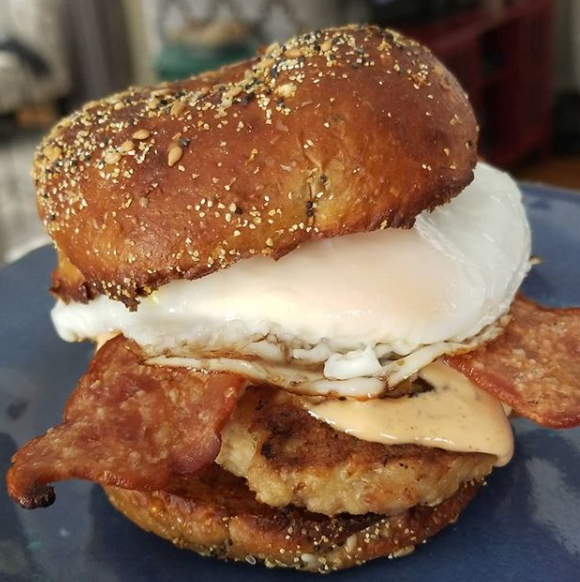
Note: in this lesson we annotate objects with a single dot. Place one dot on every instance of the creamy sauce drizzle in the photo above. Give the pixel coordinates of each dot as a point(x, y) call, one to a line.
point(456, 415)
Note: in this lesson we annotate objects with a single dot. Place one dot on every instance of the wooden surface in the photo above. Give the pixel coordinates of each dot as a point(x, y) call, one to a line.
point(563, 172)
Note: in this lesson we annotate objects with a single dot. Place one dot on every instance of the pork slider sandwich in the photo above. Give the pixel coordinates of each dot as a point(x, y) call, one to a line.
point(302, 286)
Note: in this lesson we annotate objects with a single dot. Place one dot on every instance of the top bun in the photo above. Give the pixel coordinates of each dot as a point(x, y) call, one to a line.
point(333, 132)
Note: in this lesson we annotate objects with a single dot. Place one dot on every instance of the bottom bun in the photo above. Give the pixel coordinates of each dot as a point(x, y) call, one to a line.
point(215, 514)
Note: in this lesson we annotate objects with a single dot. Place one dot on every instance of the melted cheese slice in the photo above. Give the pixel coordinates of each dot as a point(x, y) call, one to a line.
point(455, 415)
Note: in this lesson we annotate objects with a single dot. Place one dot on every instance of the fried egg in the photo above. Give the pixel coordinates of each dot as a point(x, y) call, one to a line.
point(346, 315)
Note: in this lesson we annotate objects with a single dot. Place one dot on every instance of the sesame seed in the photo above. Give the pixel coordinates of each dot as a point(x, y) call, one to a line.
point(293, 53)
point(127, 146)
point(326, 46)
point(141, 134)
point(178, 108)
point(175, 154)
point(112, 157)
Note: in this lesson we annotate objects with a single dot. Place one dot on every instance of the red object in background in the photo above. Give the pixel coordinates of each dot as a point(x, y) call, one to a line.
point(503, 59)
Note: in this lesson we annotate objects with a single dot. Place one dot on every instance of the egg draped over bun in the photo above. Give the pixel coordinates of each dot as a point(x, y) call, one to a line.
point(342, 131)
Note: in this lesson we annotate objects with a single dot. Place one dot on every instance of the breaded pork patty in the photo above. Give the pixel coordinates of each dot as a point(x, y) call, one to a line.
point(288, 457)
point(214, 513)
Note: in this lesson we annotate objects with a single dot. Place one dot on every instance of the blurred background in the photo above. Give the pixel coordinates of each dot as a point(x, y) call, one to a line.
point(519, 60)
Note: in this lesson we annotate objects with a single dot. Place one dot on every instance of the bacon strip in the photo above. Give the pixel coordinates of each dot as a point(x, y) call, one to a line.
point(128, 425)
point(534, 366)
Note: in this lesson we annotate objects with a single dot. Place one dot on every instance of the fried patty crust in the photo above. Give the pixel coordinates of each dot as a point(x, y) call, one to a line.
point(215, 514)
point(288, 457)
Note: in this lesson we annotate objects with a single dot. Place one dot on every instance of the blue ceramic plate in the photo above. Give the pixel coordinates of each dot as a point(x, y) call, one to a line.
point(525, 525)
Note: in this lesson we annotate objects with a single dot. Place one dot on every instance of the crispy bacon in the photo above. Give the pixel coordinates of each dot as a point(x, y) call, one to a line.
point(534, 366)
point(128, 425)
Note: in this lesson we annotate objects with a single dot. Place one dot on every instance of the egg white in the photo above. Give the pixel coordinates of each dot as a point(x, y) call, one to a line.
point(372, 307)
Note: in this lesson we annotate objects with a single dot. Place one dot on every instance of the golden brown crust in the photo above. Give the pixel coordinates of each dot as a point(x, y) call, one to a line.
point(215, 514)
point(335, 132)
point(288, 457)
